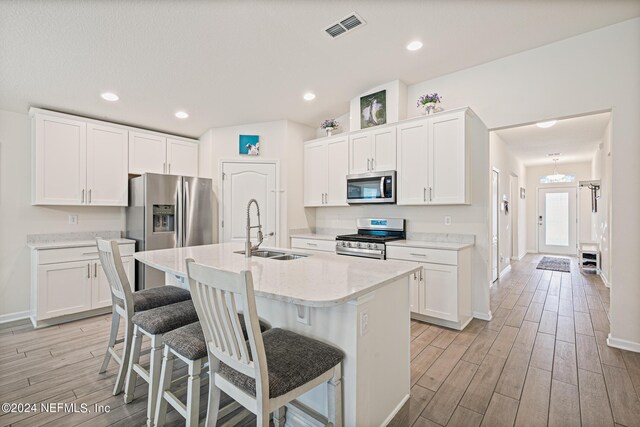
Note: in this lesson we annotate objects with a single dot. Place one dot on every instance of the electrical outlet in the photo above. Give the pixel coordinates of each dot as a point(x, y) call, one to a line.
point(73, 219)
point(447, 220)
point(364, 323)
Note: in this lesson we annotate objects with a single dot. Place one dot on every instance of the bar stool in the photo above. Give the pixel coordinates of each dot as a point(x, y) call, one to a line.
point(125, 303)
point(154, 324)
point(278, 366)
point(188, 344)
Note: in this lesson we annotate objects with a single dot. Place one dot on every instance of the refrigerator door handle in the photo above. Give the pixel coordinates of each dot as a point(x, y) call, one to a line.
point(179, 217)
point(185, 208)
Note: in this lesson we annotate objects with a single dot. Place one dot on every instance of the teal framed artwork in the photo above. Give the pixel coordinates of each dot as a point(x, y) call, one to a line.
point(249, 145)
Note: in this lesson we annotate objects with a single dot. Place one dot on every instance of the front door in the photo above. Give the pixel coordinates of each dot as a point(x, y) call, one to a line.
point(241, 182)
point(557, 220)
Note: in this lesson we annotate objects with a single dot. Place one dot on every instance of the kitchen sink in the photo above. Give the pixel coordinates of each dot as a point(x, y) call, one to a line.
point(280, 256)
point(288, 257)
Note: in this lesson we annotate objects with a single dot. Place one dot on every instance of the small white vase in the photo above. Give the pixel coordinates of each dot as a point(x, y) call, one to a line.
point(429, 108)
point(329, 131)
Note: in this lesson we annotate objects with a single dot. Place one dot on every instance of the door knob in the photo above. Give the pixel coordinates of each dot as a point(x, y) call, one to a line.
point(271, 234)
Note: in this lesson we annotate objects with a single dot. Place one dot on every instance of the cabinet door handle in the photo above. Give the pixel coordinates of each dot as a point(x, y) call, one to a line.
point(89, 198)
point(164, 168)
point(169, 168)
point(82, 201)
point(424, 194)
point(368, 164)
point(95, 270)
point(373, 164)
point(415, 254)
point(430, 194)
point(88, 271)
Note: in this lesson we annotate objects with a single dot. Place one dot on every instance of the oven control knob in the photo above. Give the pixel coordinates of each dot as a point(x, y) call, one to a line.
point(370, 246)
point(353, 244)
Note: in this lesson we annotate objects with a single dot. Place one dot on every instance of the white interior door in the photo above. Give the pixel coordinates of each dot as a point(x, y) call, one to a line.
point(495, 208)
point(242, 182)
point(557, 220)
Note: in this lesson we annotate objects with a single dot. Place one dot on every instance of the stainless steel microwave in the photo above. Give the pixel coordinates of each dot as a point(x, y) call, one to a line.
point(372, 187)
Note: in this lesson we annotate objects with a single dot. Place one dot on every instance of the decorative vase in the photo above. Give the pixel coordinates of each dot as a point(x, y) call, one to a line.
point(329, 131)
point(429, 108)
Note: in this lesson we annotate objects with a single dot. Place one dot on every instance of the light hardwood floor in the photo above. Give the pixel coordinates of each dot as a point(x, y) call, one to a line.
point(542, 360)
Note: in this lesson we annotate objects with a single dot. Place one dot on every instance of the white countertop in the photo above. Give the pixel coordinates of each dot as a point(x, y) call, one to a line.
point(73, 244)
point(320, 280)
point(314, 236)
point(450, 246)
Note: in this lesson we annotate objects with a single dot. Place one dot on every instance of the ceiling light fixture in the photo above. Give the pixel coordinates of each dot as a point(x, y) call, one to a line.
point(414, 45)
point(309, 96)
point(556, 176)
point(109, 96)
point(545, 125)
point(182, 115)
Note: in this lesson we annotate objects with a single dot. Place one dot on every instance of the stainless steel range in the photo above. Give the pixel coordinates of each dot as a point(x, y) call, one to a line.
point(370, 240)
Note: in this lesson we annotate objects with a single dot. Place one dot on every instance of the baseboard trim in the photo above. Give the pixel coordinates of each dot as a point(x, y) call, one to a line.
point(483, 316)
point(441, 322)
point(12, 317)
point(533, 252)
point(604, 280)
point(623, 344)
point(69, 317)
point(505, 271)
point(395, 411)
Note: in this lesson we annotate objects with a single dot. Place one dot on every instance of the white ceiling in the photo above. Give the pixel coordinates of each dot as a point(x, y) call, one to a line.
point(576, 139)
point(232, 62)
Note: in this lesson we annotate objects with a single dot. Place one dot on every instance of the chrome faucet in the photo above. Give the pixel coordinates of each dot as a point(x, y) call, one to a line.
point(248, 248)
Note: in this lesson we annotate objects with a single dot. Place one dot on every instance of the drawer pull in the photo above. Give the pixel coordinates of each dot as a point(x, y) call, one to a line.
point(89, 253)
point(312, 244)
point(414, 254)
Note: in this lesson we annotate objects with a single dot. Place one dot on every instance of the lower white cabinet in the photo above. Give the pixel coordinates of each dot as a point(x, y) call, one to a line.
point(319, 245)
point(71, 281)
point(441, 292)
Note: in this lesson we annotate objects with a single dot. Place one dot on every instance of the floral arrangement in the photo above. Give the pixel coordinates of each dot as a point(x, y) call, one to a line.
point(433, 98)
point(329, 123)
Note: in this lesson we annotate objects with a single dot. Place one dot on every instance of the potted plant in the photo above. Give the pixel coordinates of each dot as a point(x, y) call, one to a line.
point(428, 102)
point(329, 126)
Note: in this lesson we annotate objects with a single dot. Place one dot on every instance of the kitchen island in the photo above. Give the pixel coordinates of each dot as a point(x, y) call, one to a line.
point(359, 305)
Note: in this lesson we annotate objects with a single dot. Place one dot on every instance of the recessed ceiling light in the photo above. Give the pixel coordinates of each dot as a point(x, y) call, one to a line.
point(414, 45)
point(182, 115)
point(545, 125)
point(109, 96)
point(309, 96)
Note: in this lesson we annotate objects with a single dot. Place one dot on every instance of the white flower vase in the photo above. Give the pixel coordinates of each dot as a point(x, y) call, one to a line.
point(329, 131)
point(429, 108)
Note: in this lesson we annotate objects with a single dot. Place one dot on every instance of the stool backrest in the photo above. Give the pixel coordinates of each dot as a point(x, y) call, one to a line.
point(215, 294)
point(109, 254)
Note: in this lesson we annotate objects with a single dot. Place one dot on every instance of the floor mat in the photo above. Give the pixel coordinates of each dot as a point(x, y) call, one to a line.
point(554, 264)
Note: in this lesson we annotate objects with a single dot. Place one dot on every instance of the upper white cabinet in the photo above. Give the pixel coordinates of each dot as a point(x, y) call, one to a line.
point(325, 172)
point(373, 150)
point(78, 163)
point(434, 160)
point(147, 153)
point(152, 153)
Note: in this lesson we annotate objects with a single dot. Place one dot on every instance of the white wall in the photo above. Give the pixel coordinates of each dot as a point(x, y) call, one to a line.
point(582, 171)
point(18, 218)
point(279, 140)
point(601, 169)
point(509, 165)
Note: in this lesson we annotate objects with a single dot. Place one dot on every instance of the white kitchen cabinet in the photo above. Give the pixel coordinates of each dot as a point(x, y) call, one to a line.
point(373, 150)
point(434, 159)
point(442, 292)
point(147, 153)
point(78, 163)
point(107, 166)
point(153, 153)
point(59, 161)
point(182, 157)
point(319, 245)
point(68, 282)
point(325, 171)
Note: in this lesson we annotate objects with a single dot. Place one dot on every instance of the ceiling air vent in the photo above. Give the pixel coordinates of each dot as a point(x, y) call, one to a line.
point(346, 24)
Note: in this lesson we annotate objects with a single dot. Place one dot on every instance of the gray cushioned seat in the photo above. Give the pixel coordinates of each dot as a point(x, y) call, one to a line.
point(292, 361)
point(189, 340)
point(166, 318)
point(147, 299)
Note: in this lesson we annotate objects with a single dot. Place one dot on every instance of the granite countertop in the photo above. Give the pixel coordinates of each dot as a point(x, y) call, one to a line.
point(314, 236)
point(72, 244)
point(320, 280)
point(450, 246)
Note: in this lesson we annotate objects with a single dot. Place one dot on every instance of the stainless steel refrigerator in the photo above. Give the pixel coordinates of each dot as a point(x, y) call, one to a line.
point(167, 211)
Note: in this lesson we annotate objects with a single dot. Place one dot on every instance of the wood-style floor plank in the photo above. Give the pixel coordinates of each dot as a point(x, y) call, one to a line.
point(534, 404)
point(564, 410)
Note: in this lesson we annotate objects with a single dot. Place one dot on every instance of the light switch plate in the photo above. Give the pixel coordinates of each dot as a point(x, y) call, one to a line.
point(73, 219)
point(447, 220)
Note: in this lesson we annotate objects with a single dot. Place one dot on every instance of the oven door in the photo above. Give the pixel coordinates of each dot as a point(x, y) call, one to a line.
point(374, 187)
